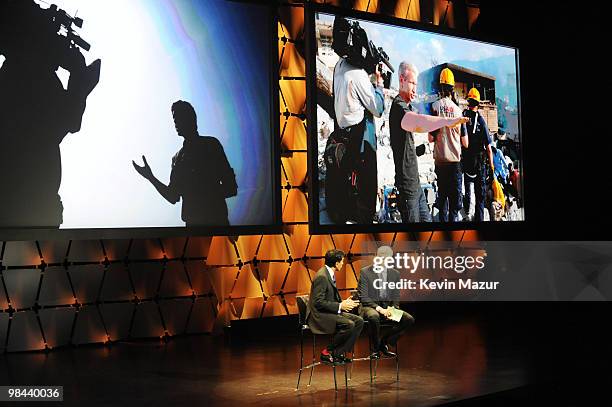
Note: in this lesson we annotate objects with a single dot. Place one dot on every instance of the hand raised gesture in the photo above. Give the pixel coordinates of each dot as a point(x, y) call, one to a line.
point(145, 170)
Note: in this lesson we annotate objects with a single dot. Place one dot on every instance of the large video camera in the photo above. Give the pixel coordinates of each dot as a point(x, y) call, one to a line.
point(46, 39)
point(350, 41)
point(63, 22)
point(28, 28)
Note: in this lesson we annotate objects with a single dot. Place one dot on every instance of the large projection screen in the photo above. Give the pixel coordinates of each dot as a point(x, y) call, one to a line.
point(410, 155)
point(82, 108)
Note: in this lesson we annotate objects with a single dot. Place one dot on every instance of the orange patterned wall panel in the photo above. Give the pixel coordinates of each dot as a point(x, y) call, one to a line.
point(222, 252)
point(408, 9)
point(247, 246)
point(444, 13)
point(273, 248)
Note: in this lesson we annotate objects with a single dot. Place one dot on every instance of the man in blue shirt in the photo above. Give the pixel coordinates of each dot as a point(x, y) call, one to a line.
point(474, 157)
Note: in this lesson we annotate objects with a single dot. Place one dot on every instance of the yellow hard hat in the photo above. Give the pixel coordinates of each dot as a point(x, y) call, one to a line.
point(474, 94)
point(447, 77)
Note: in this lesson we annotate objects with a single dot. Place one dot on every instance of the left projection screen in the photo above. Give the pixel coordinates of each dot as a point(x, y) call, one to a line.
point(131, 115)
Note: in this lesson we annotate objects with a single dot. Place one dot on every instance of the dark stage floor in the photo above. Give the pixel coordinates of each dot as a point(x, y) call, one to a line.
point(468, 359)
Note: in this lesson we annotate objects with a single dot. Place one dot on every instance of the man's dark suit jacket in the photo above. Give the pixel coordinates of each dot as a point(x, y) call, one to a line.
point(323, 304)
point(370, 296)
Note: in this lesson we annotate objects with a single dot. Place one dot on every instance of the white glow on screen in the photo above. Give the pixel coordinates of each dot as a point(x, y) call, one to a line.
point(127, 116)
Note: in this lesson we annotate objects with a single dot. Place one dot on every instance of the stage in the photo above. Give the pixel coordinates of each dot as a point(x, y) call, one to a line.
point(468, 357)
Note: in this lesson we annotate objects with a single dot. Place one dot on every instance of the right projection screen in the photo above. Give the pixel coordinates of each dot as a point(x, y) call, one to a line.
point(433, 139)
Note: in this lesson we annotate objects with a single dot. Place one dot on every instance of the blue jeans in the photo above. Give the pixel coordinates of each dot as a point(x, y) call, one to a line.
point(449, 191)
point(479, 184)
point(414, 209)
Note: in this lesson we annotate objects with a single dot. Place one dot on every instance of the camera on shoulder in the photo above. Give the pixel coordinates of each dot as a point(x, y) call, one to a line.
point(350, 41)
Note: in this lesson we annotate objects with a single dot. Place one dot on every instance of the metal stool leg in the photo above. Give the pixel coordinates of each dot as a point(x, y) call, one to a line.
point(345, 378)
point(335, 383)
point(370, 355)
point(372, 377)
point(375, 368)
point(301, 358)
point(351, 369)
point(314, 339)
point(396, 362)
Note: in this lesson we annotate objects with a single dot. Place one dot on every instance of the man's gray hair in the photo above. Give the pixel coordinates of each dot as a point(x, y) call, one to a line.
point(406, 66)
point(384, 251)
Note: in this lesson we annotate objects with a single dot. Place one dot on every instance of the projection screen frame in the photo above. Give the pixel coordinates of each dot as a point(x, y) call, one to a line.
point(276, 227)
point(315, 227)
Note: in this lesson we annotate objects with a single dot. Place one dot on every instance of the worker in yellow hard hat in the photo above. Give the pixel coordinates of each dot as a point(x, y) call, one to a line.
point(474, 158)
point(447, 77)
point(448, 142)
point(474, 95)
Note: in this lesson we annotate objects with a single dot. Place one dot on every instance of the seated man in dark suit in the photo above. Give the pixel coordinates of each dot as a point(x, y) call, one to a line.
point(329, 314)
point(375, 302)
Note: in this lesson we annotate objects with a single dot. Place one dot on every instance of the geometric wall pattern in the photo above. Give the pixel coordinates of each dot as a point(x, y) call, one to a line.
point(58, 293)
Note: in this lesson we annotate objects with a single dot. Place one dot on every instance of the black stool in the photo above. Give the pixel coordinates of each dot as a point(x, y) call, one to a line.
point(302, 302)
point(396, 357)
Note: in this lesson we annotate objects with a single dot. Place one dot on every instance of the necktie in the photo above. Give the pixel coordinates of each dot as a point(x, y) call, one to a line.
point(383, 290)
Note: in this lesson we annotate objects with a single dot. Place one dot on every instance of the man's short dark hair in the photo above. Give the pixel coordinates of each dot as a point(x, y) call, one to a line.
point(333, 256)
point(183, 110)
point(446, 90)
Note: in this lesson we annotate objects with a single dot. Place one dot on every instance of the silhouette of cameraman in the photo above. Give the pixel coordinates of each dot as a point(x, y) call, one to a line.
point(201, 173)
point(36, 112)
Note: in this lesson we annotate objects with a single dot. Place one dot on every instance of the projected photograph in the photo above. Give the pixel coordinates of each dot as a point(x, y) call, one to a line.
point(413, 127)
point(136, 114)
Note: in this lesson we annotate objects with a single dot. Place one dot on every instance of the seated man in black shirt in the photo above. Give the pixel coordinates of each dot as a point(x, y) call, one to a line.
point(201, 174)
point(375, 301)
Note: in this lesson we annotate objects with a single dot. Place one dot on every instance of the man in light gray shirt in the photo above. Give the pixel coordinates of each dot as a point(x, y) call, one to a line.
point(356, 102)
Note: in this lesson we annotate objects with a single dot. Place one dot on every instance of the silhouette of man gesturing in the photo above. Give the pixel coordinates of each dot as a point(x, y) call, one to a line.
point(201, 174)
